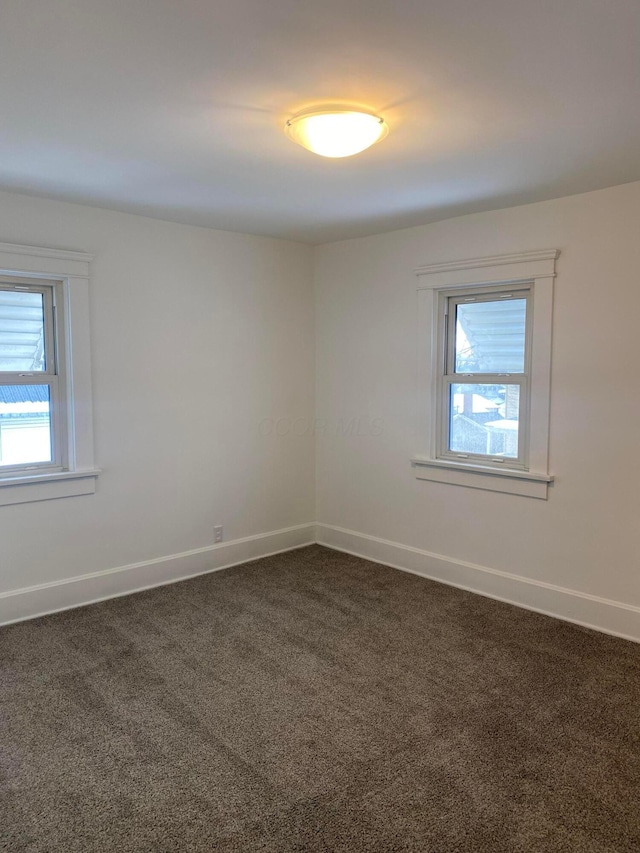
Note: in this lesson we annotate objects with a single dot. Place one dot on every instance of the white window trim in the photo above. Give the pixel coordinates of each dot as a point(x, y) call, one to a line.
point(537, 268)
point(71, 269)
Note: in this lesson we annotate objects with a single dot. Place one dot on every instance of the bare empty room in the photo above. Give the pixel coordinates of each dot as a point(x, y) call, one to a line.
point(318, 427)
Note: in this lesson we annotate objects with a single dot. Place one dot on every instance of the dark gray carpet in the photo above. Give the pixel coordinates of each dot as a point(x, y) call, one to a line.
point(313, 701)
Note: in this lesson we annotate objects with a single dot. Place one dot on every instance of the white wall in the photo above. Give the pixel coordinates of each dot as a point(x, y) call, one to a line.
point(202, 337)
point(197, 335)
point(585, 536)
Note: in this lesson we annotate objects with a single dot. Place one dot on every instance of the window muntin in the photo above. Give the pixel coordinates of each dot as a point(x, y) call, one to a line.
point(30, 383)
point(485, 384)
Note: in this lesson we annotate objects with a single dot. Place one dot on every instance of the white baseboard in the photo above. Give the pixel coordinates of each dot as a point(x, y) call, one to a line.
point(33, 601)
point(601, 614)
point(590, 611)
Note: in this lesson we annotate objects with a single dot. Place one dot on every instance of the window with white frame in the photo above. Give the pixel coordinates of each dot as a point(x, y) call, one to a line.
point(46, 434)
point(484, 385)
point(485, 332)
point(32, 418)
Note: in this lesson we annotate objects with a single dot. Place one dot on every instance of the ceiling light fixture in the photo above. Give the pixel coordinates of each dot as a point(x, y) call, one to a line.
point(336, 131)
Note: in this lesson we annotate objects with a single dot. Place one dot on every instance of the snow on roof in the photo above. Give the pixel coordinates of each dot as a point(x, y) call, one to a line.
point(507, 425)
point(479, 404)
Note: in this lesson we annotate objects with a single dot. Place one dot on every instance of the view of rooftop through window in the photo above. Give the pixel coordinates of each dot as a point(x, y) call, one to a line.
point(25, 397)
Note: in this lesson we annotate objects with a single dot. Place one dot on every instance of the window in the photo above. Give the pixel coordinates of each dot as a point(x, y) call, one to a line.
point(46, 442)
point(484, 388)
point(485, 332)
point(32, 421)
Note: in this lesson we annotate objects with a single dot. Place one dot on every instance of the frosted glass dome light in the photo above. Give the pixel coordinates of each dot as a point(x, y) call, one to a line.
point(336, 131)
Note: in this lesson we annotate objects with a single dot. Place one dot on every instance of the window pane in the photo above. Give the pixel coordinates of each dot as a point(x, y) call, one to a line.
point(21, 331)
point(490, 336)
point(25, 425)
point(484, 419)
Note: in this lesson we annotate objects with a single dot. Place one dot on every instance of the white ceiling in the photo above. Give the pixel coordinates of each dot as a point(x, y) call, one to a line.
point(175, 109)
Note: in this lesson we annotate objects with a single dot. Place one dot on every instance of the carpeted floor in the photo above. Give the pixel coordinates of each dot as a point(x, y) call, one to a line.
point(313, 701)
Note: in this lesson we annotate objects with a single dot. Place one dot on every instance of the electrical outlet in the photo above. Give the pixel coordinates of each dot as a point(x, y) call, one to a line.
point(217, 533)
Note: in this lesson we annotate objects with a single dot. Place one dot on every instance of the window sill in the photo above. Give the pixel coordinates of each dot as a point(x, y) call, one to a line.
point(47, 486)
point(524, 483)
